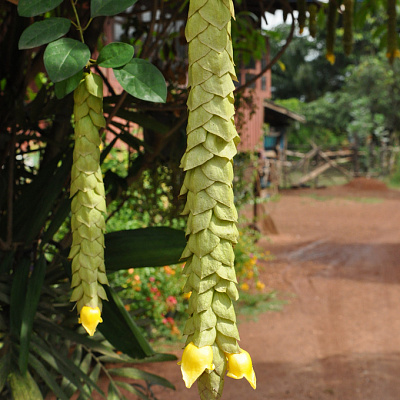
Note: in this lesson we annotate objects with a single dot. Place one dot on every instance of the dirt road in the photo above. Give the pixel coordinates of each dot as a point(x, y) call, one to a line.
point(338, 254)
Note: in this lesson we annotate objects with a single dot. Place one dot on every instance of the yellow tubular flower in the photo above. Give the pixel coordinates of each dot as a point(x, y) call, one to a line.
point(330, 57)
point(90, 318)
point(195, 360)
point(240, 365)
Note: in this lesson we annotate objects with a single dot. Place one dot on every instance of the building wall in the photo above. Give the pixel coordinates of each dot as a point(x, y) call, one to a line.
point(251, 132)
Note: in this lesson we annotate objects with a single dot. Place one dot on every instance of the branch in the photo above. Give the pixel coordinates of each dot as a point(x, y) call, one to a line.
point(151, 29)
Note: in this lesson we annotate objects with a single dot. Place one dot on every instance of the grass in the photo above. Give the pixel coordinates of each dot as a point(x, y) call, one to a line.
point(251, 305)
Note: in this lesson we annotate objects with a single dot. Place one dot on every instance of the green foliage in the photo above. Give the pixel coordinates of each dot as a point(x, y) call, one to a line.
point(154, 298)
point(254, 304)
point(31, 8)
point(109, 7)
point(143, 80)
point(43, 350)
point(115, 55)
point(43, 32)
point(64, 58)
point(364, 106)
point(68, 85)
point(245, 36)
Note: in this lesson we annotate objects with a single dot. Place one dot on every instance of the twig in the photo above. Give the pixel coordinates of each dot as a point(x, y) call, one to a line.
point(151, 29)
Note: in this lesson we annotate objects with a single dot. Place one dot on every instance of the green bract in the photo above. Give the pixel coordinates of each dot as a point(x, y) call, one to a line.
point(212, 217)
point(88, 201)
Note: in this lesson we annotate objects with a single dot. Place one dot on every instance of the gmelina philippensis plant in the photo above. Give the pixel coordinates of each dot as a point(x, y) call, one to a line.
point(88, 204)
point(212, 336)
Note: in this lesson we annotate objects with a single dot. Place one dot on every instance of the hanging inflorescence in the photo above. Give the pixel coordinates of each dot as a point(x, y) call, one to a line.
point(346, 9)
point(392, 35)
point(88, 204)
point(212, 335)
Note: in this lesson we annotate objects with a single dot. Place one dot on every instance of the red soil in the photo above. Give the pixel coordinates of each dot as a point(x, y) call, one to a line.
point(338, 261)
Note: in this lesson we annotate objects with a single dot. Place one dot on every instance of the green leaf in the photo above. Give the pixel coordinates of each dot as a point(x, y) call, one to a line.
point(43, 32)
point(47, 377)
point(115, 55)
point(129, 388)
point(57, 219)
point(30, 8)
point(120, 329)
point(64, 58)
point(38, 198)
point(76, 337)
point(7, 261)
point(32, 299)
point(76, 375)
point(23, 387)
point(107, 8)
point(146, 247)
point(142, 80)
point(68, 85)
point(134, 373)
point(4, 369)
point(113, 392)
point(17, 300)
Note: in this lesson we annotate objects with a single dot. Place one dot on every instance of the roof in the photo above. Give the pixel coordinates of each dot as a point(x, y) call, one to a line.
point(277, 115)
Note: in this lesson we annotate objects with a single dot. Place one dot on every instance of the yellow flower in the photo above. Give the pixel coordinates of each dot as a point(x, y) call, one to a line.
point(330, 57)
point(245, 286)
point(195, 360)
point(90, 318)
point(240, 365)
point(187, 295)
point(393, 54)
point(260, 285)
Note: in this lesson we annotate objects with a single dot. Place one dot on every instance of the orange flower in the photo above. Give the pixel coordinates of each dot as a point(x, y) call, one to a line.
point(168, 270)
point(245, 286)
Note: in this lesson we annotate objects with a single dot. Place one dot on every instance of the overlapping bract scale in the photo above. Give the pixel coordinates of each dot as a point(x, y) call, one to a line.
point(88, 199)
point(211, 226)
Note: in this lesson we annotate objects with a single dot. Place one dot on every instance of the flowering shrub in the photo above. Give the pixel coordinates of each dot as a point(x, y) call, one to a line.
point(154, 295)
point(248, 256)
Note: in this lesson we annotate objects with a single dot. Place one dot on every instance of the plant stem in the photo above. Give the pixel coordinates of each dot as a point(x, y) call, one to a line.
point(78, 22)
point(87, 25)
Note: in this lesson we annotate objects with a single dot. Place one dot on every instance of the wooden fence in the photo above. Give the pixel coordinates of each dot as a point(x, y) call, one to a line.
point(294, 168)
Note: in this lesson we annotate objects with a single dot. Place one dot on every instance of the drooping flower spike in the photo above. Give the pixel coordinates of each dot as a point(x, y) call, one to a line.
point(211, 226)
point(88, 204)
